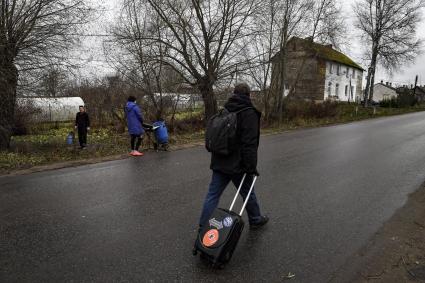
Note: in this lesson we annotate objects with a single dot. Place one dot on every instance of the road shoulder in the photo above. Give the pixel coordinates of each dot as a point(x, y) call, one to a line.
point(396, 253)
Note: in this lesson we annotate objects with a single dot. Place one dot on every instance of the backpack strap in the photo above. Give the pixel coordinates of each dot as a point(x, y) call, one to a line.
point(243, 109)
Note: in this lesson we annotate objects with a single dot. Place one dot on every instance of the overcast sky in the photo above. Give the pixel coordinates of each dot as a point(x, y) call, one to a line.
point(95, 64)
point(407, 73)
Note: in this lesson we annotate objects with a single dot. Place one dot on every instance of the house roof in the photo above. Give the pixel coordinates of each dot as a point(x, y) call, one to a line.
point(387, 86)
point(328, 53)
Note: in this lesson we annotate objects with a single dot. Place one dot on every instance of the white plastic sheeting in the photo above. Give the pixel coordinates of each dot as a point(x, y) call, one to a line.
point(183, 100)
point(52, 109)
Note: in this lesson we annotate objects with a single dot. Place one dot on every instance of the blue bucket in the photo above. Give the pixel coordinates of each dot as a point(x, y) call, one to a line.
point(70, 138)
point(161, 132)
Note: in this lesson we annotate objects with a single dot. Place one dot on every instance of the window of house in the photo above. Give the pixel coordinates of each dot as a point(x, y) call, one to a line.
point(329, 88)
point(352, 91)
point(337, 90)
point(347, 72)
point(346, 90)
point(331, 66)
point(338, 69)
point(354, 73)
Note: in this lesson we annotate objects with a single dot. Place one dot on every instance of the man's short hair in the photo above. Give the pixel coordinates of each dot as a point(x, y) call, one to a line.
point(131, 98)
point(242, 88)
point(81, 106)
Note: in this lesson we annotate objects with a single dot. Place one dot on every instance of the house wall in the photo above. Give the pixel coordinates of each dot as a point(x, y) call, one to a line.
point(382, 92)
point(312, 76)
point(359, 90)
point(307, 74)
point(342, 85)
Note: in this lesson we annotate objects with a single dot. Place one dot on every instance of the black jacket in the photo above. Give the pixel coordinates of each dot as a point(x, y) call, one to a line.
point(243, 160)
point(82, 120)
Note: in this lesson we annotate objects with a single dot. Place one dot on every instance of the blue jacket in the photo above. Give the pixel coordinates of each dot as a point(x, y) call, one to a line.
point(134, 119)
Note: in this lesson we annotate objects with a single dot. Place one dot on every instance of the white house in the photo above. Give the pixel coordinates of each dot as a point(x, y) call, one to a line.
point(383, 91)
point(343, 82)
point(318, 72)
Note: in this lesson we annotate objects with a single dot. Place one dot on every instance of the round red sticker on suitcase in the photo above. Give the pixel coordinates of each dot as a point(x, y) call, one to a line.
point(210, 238)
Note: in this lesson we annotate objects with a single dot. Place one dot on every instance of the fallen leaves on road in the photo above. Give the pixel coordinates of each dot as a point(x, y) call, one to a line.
point(289, 276)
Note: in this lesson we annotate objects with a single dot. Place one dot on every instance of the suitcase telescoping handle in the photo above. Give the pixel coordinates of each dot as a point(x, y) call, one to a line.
point(247, 196)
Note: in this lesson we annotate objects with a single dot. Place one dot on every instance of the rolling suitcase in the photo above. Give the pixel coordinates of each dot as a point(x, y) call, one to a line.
point(218, 238)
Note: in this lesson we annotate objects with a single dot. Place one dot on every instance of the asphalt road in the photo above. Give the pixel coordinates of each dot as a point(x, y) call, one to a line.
point(326, 190)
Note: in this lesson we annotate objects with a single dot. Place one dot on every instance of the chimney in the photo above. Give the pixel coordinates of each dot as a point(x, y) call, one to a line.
point(386, 83)
point(382, 81)
point(391, 84)
point(329, 46)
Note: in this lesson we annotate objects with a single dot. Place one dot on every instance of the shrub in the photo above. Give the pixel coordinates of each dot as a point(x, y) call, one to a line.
point(294, 109)
point(403, 100)
point(24, 114)
point(192, 123)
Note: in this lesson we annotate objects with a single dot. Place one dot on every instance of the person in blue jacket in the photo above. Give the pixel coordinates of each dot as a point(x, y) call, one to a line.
point(134, 124)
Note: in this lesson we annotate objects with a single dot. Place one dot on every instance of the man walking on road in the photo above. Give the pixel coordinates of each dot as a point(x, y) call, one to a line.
point(82, 124)
point(232, 167)
point(134, 124)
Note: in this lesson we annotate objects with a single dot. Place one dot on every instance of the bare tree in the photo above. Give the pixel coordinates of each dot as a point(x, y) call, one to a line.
point(326, 22)
point(137, 59)
point(53, 83)
point(203, 40)
point(33, 34)
point(389, 29)
point(276, 23)
point(264, 44)
point(292, 23)
point(325, 25)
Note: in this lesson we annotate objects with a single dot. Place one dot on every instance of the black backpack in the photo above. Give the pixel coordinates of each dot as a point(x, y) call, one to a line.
point(221, 136)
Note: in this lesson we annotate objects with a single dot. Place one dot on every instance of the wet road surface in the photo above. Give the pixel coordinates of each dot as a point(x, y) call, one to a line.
point(326, 190)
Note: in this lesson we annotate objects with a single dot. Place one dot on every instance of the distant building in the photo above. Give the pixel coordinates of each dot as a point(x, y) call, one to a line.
point(318, 72)
point(383, 92)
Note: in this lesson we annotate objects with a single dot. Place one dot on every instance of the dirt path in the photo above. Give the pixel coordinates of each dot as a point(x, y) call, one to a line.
point(396, 253)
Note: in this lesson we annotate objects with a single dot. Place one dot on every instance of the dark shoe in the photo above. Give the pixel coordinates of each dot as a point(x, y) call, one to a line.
point(260, 223)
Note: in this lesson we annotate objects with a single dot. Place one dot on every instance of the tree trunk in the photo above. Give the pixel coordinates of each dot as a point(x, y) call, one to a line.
point(372, 77)
point(370, 80)
point(266, 97)
point(281, 84)
point(282, 70)
point(8, 84)
point(366, 91)
point(205, 86)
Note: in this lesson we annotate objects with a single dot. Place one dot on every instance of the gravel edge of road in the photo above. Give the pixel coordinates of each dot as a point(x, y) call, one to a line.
point(396, 253)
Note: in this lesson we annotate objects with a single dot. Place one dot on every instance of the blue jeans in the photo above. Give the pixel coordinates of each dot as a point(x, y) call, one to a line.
point(218, 183)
